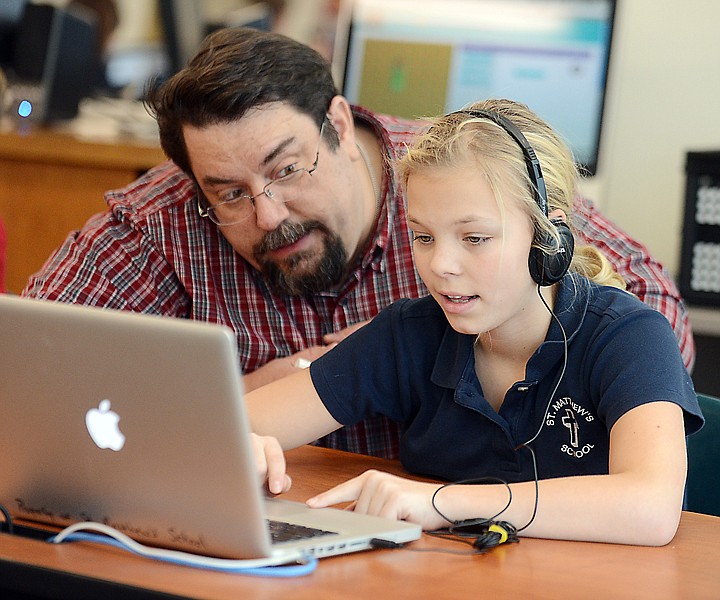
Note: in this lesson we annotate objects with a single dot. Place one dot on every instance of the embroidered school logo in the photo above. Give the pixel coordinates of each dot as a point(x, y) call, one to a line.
point(571, 423)
point(569, 415)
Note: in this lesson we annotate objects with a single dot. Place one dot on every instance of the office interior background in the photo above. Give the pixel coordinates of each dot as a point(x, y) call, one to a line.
point(661, 102)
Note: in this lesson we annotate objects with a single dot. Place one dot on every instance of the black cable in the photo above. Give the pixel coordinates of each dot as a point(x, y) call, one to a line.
point(480, 520)
point(560, 377)
point(485, 533)
point(482, 533)
point(385, 544)
point(537, 487)
point(545, 413)
point(482, 538)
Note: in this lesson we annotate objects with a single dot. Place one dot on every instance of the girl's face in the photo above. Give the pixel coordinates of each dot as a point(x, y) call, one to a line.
point(472, 257)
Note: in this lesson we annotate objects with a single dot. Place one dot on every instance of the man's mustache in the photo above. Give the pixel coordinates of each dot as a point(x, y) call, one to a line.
point(286, 234)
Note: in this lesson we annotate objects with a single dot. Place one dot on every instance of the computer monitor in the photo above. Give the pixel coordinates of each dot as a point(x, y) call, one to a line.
point(11, 12)
point(183, 26)
point(417, 58)
point(33, 42)
point(185, 23)
point(54, 60)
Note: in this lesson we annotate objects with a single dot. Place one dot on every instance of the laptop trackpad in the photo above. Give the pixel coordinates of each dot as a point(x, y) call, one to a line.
point(275, 507)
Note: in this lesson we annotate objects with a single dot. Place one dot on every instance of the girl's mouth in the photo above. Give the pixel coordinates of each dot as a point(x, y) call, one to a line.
point(460, 299)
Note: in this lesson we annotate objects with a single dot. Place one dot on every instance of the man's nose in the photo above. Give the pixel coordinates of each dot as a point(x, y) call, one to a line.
point(269, 213)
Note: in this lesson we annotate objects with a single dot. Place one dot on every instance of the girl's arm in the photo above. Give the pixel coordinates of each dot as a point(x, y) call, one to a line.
point(288, 411)
point(638, 502)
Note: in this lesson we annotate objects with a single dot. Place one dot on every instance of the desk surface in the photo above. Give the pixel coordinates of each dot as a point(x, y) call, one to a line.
point(688, 567)
point(62, 146)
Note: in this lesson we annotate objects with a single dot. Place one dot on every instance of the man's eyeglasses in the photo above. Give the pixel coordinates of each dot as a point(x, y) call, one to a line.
point(238, 209)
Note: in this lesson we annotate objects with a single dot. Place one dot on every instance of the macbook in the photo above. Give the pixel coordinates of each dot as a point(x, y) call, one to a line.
point(137, 421)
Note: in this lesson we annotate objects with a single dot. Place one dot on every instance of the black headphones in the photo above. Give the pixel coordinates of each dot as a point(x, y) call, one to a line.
point(549, 263)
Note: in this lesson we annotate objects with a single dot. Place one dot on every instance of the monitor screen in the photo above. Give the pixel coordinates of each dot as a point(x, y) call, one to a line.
point(183, 28)
point(417, 58)
point(33, 41)
point(10, 14)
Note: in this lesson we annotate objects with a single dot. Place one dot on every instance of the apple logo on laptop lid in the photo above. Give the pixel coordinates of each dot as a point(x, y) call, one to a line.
point(102, 425)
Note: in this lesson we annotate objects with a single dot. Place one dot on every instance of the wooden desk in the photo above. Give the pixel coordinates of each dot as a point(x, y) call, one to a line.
point(689, 567)
point(51, 182)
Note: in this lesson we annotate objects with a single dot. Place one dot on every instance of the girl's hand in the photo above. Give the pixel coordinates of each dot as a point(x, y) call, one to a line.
point(385, 495)
point(270, 463)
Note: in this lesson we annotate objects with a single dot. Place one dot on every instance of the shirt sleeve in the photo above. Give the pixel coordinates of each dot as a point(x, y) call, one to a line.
point(377, 369)
point(357, 371)
point(645, 277)
point(634, 361)
point(111, 264)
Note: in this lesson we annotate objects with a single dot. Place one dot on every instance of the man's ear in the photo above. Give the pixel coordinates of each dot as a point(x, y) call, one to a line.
point(558, 215)
point(340, 115)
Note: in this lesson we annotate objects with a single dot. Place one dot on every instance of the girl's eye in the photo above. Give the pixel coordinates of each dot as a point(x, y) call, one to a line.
point(422, 238)
point(477, 239)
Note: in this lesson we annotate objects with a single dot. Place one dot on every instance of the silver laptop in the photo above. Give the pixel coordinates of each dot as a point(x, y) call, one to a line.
point(137, 422)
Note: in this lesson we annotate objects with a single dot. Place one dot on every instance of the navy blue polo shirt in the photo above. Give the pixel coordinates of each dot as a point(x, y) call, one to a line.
point(411, 366)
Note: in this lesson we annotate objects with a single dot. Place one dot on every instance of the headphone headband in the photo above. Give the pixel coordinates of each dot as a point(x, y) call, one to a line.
point(531, 159)
point(550, 260)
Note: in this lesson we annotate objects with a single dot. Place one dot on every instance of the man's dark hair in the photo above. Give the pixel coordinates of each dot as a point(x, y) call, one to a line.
point(234, 70)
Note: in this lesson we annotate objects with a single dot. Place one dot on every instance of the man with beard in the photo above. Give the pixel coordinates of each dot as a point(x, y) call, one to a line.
point(280, 216)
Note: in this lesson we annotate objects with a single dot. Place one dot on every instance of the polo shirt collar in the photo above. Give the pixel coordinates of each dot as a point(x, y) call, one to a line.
point(455, 358)
point(571, 305)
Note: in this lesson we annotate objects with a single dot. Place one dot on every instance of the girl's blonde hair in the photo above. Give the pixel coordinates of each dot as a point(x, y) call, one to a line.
point(462, 137)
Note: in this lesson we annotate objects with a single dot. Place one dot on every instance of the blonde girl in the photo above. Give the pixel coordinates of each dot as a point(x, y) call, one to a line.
point(567, 391)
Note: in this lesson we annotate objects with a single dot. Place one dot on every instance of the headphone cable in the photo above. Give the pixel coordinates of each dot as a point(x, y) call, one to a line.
point(545, 412)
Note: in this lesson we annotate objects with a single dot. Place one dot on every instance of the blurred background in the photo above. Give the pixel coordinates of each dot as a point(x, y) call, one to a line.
point(632, 84)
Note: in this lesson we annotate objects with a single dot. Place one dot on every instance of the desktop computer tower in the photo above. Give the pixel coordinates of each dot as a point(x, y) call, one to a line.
point(700, 260)
point(53, 63)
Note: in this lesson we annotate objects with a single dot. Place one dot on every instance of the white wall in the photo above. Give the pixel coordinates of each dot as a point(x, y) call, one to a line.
point(138, 24)
point(663, 100)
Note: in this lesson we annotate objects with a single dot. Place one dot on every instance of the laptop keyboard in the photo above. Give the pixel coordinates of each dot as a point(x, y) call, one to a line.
point(286, 532)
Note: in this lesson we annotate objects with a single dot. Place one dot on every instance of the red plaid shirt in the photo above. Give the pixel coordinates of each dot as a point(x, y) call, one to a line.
point(152, 253)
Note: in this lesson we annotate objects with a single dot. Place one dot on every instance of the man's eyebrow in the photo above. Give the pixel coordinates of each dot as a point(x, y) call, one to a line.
point(211, 180)
point(277, 150)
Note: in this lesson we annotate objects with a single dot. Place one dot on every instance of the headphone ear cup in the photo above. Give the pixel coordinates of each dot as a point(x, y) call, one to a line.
point(549, 266)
